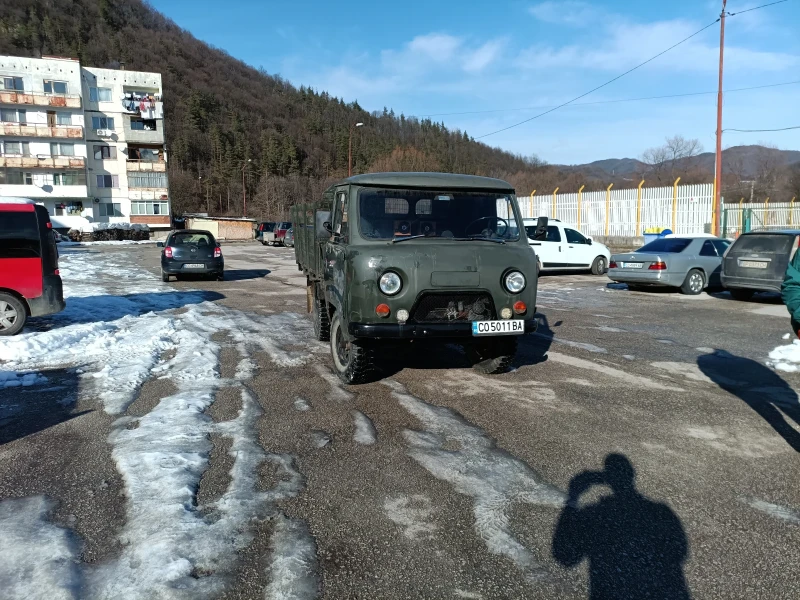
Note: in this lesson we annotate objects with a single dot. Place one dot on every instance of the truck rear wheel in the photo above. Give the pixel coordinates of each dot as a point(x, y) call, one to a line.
point(353, 361)
point(494, 356)
point(319, 313)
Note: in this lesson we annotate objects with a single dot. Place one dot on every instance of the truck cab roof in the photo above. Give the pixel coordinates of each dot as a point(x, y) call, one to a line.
point(436, 181)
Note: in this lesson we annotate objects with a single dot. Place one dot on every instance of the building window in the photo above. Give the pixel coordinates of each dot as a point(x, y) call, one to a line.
point(109, 209)
point(16, 149)
point(62, 149)
point(107, 181)
point(13, 83)
point(63, 118)
point(144, 154)
point(13, 115)
point(102, 123)
point(9, 177)
point(69, 208)
point(99, 94)
point(147, 179)
point(105, 152)
point(69, 178)
point(55, 87)
point(149, 207)
point(143, 124)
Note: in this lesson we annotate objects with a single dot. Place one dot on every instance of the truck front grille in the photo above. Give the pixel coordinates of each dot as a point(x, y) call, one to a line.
point(445, 308)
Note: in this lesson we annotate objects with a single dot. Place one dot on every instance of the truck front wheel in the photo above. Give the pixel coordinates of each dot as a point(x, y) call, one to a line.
point(493, 356)
point(354, 361)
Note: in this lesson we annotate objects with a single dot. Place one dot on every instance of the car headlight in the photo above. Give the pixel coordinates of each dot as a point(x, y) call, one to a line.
point(390, 283)
point(514, 282)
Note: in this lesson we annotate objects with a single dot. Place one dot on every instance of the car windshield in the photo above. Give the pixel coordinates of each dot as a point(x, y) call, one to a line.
point(401, 214)
point(666, 245)
point(192, 239)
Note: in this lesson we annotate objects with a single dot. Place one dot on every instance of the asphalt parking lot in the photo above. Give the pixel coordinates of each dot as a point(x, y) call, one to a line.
point(189, 440)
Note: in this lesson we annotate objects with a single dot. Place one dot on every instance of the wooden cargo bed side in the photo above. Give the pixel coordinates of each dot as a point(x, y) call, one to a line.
point(309, 237)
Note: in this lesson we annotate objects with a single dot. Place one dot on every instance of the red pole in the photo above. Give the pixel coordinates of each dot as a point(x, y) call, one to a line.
point(718, 167)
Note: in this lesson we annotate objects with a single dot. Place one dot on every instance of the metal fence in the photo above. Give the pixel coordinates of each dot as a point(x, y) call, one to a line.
point(628, 212)
point(747, 216)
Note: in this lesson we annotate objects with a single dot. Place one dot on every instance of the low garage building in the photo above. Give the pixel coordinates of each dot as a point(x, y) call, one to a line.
point(222, 228)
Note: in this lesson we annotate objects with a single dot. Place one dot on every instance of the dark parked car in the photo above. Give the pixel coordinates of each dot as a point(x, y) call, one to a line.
point(691, 263)
point(757, 262)
point(191, 252)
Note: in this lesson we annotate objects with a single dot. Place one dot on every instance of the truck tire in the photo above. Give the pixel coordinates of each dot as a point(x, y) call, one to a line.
point(12, 314)
point(694, 283)
point(319, 313)
point(494, 356)
point(354, 362)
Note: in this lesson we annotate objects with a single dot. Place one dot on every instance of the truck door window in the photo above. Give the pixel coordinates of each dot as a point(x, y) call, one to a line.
point(340, 222)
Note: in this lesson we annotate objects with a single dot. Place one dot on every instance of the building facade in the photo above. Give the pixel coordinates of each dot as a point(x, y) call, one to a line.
point(84, 142)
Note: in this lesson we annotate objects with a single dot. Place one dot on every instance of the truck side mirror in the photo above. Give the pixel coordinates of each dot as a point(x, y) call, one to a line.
point(327, 226)
point(541, 229)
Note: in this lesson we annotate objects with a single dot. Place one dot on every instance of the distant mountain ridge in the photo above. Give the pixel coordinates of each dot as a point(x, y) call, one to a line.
point(744, 160)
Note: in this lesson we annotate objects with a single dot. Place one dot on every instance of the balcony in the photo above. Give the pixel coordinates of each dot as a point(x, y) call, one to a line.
point(41, 130)
point(143, 136)
point(147, 165)
point(39, 99)
point(43, 162)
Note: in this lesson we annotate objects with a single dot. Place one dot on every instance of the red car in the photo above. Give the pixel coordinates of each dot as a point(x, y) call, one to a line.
point(280, 232)
point(30, 284)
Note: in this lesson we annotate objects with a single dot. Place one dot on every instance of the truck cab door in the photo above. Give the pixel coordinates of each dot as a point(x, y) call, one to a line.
point(336, 254)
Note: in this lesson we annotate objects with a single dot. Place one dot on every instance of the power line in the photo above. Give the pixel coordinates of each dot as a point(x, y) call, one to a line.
point(610, 81)
point(496, 110)
point(761, 130)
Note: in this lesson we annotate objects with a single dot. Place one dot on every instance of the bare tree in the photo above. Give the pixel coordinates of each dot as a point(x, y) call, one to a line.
point(768, 170)
point(793, 181)
point(670, 160)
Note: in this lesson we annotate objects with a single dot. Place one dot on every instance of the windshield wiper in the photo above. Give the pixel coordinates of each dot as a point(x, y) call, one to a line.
point(410, 237)
point(479, 239)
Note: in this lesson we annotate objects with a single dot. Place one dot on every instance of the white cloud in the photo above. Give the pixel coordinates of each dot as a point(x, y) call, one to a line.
point(483, 56)
point(570, 12)
point(437, 46)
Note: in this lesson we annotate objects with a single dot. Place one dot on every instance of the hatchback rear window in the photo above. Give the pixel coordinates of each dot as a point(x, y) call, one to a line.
point(19, 235)
point(754, 243)
point(667, 245)
point(192, 239)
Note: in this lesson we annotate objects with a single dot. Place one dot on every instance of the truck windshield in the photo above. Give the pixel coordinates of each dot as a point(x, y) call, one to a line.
point(390, 214)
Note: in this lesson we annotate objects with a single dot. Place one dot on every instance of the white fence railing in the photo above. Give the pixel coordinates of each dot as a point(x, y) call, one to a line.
point(772, 215)
point(687, 209)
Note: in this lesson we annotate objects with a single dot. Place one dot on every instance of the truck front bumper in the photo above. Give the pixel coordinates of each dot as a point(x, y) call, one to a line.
point(421, 330)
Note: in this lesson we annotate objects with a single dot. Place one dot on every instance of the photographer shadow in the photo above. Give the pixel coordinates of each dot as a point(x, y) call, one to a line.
point(635, 547)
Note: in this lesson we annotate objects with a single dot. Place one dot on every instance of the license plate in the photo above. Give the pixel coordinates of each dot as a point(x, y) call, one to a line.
point(509, 327)
point(753, 264)
point(628, 265)
point(194, 266)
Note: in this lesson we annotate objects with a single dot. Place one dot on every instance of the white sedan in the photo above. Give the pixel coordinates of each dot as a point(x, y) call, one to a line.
point(567, 249)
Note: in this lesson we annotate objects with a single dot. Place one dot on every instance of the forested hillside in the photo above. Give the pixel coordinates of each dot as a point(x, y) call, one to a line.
point(223, 116)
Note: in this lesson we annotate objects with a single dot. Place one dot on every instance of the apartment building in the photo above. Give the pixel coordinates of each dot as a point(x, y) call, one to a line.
point(82, 141)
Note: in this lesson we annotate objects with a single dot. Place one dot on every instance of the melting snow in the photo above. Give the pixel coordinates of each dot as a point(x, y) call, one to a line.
point(293, 567)
point(365, 430)
point(491, 476)
point(775, 510)
point(301, 404)
point(412, 514)
point(786, 358)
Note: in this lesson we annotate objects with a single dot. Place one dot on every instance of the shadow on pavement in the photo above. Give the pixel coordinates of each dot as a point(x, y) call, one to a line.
point(533, 348)
point(759, 387)
point(243, 274)
point(635, 546)
point(759, 298)
point(25, 410)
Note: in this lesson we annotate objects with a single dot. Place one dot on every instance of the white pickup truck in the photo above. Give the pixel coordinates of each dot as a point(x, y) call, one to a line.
point(566, 249)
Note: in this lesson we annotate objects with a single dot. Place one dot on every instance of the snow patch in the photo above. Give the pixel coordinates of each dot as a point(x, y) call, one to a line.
point(775, 510)
point(412, 514)
point(580, 345)
point(320, 438)
point(301, 404)
point(786, 336)
point(610, 372)
point(492, 477)
point(293, 568)
point(786, 358)
point(365, 430)
point(337, 392)
point(9, 379)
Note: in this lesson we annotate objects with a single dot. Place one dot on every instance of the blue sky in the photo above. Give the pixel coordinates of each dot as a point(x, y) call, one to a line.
point(465, 56)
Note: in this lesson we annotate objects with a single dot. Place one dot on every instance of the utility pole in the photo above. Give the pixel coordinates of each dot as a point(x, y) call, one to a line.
point(718, 165)
point(350, 149)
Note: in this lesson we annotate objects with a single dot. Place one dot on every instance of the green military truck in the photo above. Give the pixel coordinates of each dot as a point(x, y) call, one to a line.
point(406, 257)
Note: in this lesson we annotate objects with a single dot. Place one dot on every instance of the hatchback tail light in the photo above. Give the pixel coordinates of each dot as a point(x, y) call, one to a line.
point(217, 252)
point(658, 266)
point(612, 265)
point(168, 252)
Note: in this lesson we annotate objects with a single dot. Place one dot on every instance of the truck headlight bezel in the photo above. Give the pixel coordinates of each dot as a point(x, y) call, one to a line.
point(514, 282)
point(390, 283)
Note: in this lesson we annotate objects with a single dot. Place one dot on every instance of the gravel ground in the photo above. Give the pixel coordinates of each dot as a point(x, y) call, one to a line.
point(639, 445)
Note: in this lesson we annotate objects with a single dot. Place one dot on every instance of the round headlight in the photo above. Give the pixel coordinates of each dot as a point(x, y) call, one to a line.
point(514, 282)
point(390, 283)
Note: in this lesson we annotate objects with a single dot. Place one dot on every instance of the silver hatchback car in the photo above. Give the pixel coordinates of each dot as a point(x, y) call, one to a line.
point(686, 262)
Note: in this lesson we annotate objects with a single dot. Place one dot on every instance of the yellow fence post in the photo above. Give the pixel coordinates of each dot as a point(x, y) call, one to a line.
point(531, 215)
point(554, 202)
point(608, 205)
point(638, 232)
point(580, 204)
point(791, 211)
point(675, 205)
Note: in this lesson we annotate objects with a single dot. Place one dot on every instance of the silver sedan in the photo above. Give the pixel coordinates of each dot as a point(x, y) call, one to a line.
point(686, 262)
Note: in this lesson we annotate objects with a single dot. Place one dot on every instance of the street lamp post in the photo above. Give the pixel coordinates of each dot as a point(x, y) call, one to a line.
point(350, 149)
point(244, 189)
